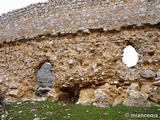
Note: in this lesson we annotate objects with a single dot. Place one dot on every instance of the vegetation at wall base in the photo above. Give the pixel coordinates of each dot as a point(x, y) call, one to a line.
point(46, 110)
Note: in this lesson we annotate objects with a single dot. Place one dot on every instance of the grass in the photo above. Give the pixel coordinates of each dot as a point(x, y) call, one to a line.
point(56, 111)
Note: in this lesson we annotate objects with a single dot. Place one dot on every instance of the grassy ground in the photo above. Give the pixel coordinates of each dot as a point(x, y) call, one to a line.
point(56, 111)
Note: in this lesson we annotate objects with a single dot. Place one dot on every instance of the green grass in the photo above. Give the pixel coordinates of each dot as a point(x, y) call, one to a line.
point(31, 110)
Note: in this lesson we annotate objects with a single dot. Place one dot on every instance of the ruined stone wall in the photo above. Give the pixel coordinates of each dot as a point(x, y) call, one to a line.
point(70, 16)
point(85, 52)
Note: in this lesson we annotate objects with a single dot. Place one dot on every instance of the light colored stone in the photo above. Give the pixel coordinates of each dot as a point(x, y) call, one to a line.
point(101, 99)
point(49, 113)
point(18, 103)
point(36, 118)
point(44, 89)
point(148, 74)
point(86, 96)
point(45, 75)
point(33, 110)
point(100, 96)
point(4, 117)
point(134, 86)
point(157, 83)
point(116, 82)
point(70, 61)
point(157, 77)
point(20, 112)
point(86, 31)
point(86, 20)
point(106, 95)
point(13, 86)
point(45, 78)
point(41, 99)
point(1, 81)
point(137, 98)
point(53, 95)
point(13, 92)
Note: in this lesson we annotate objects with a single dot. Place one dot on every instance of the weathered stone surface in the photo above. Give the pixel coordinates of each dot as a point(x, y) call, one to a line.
point(70, 62)
point(53, 95)
point(45, 76)
point(86, 96)
point(45, 79)
point(14, 92)
point(154, 93)
point(86, 31)
point(134, 86)
point(100, 96)
point(70, 16)
point(120, 98)
point(104, 96)
point(1, 81)
point(106, 93)
point(148, 74)
point(137, 98)
point(157, 77)
point(94, 59)
point(147, 88)
point(157, 83)
point(44, 89)
point(84, 50)
point(13, 86)
point(101, 99)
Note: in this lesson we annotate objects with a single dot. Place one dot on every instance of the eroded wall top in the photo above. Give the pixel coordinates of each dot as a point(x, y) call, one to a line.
point(70, 16)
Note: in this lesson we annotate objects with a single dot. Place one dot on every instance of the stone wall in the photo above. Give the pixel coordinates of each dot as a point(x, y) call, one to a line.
point(85, 52)
point(70, 16)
